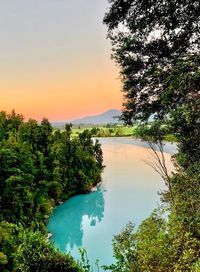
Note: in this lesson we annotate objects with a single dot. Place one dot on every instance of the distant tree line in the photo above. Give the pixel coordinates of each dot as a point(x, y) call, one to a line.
point(39, 168)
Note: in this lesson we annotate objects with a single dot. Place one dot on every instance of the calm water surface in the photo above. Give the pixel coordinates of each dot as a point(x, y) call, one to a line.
point(128, 193)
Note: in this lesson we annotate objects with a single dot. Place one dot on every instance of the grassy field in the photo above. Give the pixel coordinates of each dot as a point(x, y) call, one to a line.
point(115, 131)
point(118, 131)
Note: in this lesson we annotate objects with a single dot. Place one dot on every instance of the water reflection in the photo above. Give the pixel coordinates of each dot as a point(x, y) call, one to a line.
point(90, 207)
point(90, 221)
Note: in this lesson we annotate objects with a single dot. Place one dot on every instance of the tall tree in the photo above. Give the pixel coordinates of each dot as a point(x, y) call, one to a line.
point(157, 47)
point(149, 39)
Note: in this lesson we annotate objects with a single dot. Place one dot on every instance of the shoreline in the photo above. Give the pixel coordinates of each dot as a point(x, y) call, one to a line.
point(169, 147)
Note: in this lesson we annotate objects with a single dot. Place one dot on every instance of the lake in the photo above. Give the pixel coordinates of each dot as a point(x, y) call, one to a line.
point(128, 193)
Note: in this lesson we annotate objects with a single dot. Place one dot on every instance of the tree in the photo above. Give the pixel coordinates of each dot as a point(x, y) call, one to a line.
point(10, 238)
point(25, 250)
point(38, 169)
point(149, 38)
point(3, 123)
point(157, 245)
point(36, 254)
point(156, 45)
point(14, 120)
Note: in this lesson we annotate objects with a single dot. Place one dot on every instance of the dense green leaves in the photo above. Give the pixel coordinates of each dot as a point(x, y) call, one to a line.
point(156, 246)
point(28, 251)
point(150, 38)
point(36, 254)
point(156, 45)
point(39, 168)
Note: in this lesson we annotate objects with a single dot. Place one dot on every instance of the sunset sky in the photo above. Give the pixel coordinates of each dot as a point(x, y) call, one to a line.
point(55, 59)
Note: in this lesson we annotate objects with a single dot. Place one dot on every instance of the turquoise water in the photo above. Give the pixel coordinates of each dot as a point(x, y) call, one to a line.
point(128, 193)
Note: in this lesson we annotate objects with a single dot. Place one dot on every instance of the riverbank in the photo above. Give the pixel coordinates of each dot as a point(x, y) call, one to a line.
point(128, 193)
point(112, 131)
point(116, 131)
point(169, 147)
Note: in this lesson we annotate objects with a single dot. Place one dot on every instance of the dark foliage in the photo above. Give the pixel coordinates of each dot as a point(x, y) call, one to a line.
point(149, 39)
point(40, 167)
point(157, 47)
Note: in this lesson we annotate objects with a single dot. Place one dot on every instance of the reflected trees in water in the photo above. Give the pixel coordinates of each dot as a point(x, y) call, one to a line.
point(89, 207)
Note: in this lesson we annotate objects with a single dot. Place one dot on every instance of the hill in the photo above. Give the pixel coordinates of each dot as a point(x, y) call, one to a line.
point(110, 116)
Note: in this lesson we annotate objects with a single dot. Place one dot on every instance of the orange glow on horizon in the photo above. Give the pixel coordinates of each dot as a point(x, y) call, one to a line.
point(55, 60)
point(62, 99)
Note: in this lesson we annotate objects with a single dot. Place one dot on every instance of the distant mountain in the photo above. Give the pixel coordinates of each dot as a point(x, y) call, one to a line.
point(110, 116)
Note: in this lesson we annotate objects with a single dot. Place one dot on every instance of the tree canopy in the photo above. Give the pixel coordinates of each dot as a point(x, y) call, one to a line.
point(157, 47)
point(150, 39)
point(39, 168)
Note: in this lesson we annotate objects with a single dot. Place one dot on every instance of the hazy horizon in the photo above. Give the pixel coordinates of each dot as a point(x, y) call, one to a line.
point(84, 116)
point(55, 59)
